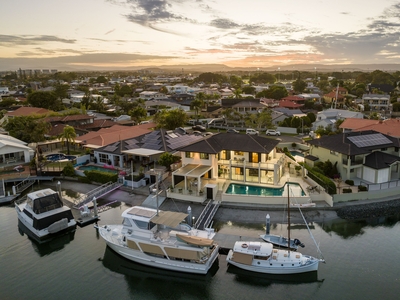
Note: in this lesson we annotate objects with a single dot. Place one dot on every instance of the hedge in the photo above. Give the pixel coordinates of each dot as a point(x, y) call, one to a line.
point(101, 177)
point(322, 180)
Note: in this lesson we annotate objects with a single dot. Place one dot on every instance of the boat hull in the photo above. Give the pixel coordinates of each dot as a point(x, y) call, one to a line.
point(265, 267)
point(158, 261)
point(44, 235)
point(280, 241)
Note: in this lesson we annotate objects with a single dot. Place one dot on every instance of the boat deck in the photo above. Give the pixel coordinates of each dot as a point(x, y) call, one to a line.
point(227, 241)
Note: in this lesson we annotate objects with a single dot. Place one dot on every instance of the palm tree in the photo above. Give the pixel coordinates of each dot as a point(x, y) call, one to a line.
point(196, 105)
point(68, 135)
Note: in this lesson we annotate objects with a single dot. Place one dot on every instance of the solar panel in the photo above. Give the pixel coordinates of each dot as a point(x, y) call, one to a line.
point(110, 148)
point(368, 140)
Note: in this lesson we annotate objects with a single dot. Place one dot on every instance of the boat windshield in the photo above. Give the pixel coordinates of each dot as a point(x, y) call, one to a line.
point(47, 203)
point(141, 224)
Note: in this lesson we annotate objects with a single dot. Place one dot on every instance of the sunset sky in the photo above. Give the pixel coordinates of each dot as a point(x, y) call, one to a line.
point(253, 33)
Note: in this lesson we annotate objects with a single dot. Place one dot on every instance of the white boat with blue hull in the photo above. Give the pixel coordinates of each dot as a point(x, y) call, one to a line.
point(261, 257)
point(44, 215)
point(159, 239)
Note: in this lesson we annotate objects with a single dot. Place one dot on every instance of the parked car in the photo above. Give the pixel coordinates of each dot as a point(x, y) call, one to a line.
point(207, 133)
point(199, 128)
point(230, 130)
point(272, 132)
point(252, 131)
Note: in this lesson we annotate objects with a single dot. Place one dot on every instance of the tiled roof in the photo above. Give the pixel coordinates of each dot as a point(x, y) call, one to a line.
point(289, 104)
point(390, 127)
point(106, 136)
point(27, 111)
point(226, 141)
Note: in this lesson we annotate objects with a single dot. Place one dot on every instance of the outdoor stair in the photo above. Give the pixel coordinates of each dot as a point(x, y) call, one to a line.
point(97, 192)
point(207, 214)
point(23, 185)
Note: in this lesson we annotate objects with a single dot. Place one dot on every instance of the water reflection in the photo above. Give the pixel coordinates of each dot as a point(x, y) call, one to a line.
point(350, 228)
point(44, 248)
point(143, 279)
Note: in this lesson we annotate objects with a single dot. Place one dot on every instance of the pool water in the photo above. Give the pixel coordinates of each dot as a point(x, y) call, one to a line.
point(242, 189)
point(97, 168)
point(294, 153)
point(59, 156)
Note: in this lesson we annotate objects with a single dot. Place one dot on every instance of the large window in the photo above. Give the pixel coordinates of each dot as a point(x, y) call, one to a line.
point(103, 158)
point(189, 154)
point(239, 153)
point(204, 156)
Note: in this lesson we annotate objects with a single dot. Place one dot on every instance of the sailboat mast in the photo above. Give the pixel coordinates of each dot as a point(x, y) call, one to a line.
point(288, 209)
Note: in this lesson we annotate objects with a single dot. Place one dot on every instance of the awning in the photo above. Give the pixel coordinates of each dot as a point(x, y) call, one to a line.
point(143, 152)
point(169, 218)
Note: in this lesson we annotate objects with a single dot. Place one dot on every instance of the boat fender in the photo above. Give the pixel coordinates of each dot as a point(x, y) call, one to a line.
point(244, 245)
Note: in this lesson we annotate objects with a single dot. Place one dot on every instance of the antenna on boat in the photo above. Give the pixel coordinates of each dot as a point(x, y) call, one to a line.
point(288, 199)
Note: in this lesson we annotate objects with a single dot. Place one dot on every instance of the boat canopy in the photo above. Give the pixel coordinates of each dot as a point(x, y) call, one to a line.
point(195, 240)
point(169, 218)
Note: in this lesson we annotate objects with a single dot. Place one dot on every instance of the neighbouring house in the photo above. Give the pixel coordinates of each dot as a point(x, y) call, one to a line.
point(376, 102)
point(14, 151)
point(107, 136)
point(150, 95)
point(368, 155)
point(329, 117)
point(25, 111)
point(144, 149)
point(390, 126)
point(239, 157)
point(337, 96)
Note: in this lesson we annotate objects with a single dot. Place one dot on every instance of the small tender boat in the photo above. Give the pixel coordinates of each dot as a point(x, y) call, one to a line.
point(44, 215)
point(281, 241)
point(261, 257)
point(159, 239)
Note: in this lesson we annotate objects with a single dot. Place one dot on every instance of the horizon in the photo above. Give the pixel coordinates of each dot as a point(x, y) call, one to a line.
point(257, 35)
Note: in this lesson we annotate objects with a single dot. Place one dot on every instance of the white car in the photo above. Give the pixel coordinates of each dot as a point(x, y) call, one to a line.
point(252, 131)
point(272, 132)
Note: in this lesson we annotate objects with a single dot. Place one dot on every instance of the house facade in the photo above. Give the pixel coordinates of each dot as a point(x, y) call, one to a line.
point(367, 155)
point(376, 102)
point(237, 158)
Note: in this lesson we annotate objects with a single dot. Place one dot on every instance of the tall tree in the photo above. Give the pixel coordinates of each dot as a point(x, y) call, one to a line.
point(68, 136)
point(29, 129)
point(170, 119)
point(196, 105)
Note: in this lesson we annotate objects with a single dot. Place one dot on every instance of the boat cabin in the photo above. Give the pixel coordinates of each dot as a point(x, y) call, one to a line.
point(45, 207)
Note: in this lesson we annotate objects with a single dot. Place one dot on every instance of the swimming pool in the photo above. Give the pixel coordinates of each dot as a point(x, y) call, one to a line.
point(252, 190)
point(294, 153)
point(97, 168)
point(59, 156)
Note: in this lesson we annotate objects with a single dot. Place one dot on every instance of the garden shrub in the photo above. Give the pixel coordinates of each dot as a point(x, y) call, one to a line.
point(347, 191)
point(362, 188)
point(349, 182)
point(101, 177)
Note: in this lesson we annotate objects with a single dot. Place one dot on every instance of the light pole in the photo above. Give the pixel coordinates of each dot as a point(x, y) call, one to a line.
point(279, 74)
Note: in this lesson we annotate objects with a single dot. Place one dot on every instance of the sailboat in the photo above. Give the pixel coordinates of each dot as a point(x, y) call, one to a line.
point(261, 257)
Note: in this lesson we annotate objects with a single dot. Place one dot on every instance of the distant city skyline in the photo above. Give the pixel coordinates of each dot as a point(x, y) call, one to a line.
point(96, 34)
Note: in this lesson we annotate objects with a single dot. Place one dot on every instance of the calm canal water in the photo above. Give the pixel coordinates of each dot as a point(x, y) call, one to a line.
point(363, 262)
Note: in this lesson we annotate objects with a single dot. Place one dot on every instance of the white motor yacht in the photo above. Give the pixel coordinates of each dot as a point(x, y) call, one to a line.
point(159, 239)
point(44, 215)
point(261, 257)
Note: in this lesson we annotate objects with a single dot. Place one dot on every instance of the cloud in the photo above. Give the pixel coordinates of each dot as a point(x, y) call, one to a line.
point(110, 31)
point(224, 24)
point(18, 40)
point(146, 12)
point(88, 60)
